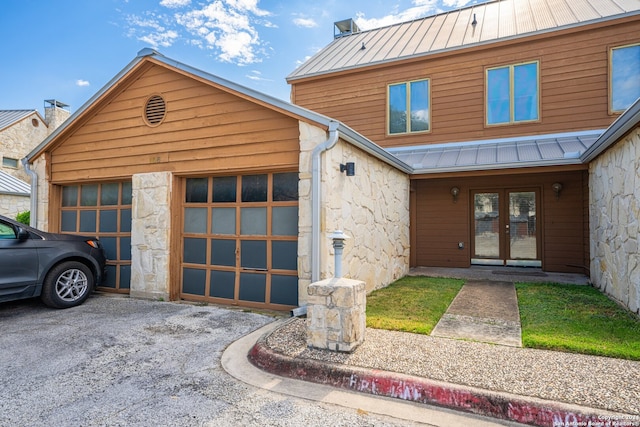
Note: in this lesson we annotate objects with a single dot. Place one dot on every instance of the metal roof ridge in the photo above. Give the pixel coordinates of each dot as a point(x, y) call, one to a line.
point(498, 141)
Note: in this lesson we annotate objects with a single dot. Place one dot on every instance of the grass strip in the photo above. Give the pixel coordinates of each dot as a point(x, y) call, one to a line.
point(577, 319)
point(411, 304)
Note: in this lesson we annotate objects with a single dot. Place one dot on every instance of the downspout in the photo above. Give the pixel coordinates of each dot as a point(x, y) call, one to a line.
point(33, 221)
point(316, 167)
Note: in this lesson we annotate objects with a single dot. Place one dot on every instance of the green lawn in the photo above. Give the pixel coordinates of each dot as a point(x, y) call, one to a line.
point(577, 319)
point(556, 317)
point(411, 304)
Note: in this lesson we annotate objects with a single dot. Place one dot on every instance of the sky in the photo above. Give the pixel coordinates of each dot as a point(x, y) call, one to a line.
point(69, 49)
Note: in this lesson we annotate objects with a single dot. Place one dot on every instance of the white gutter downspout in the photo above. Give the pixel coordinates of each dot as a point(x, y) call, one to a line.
point(316, 167)
point(33, 221)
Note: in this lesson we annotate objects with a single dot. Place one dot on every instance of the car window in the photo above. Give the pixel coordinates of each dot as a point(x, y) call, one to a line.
point(7, 231)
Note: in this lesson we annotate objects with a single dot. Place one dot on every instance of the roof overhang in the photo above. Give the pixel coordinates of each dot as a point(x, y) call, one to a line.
point(626, 122)
point(496, 154)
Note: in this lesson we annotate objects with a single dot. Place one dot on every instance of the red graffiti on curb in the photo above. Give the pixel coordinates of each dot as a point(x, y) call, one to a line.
point(468, 399)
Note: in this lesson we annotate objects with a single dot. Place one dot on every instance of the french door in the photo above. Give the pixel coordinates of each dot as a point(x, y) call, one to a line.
point(505, 227)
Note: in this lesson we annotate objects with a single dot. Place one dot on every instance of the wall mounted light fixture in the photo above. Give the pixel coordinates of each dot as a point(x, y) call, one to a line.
point(557, 188)
point(454, 192)
point(350, 168)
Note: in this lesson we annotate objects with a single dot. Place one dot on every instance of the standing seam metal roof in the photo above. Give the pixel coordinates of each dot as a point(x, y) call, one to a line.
point(496, 21)
point(9, 117)
point(537, 150)
point(13, 186)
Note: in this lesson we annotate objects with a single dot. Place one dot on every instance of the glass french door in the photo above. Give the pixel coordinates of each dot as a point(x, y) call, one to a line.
point(505, 229)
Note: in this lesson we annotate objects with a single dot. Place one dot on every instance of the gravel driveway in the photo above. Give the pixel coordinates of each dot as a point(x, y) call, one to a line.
point(116, 361)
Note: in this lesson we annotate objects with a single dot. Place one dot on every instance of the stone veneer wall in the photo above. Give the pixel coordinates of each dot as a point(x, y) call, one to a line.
point(371, 207)
point(614, 220)
point(150, 235)
point(12, 204)
point(18, 140)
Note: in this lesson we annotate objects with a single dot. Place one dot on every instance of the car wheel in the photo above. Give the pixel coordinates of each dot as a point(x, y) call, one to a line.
point(67, 285)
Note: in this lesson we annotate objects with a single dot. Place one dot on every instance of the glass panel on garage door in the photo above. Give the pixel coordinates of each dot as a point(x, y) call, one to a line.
point(102, 210)
point(240, 240)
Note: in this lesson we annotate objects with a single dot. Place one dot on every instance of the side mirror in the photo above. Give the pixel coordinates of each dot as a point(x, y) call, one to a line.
point(22, 234)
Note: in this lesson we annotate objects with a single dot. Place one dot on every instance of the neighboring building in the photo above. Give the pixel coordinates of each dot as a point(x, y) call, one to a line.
point(492, 106)
point(205, 190)
point(15, 195)
point(20, 132)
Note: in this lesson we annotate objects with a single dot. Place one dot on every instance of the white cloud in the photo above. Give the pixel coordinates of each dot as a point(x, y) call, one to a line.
point(82, 83)
point(228, 28)
point(456, 3)
point(420, 9)
point(257, 76)
point(305, 22)
point(164, 38)
point(174, 3)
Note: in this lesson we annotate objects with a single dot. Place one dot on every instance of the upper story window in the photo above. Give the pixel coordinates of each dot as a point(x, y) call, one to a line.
point(408, 107)
point(625, 77)
point(9, 162)
point(513, 94)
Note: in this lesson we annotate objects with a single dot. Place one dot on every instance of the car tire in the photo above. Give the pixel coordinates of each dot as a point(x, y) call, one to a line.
point(67, 285)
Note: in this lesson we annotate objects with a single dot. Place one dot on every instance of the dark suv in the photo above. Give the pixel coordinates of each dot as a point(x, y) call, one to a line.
point(62, 269)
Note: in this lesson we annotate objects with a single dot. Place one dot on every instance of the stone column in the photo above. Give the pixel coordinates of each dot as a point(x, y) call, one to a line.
point(150, 235)
point(336, 318)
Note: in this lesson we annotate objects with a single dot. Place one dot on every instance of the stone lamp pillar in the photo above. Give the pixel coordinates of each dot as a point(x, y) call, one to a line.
point(336, 308)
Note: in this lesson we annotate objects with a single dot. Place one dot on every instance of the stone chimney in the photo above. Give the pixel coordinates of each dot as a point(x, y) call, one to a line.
point(55, 113)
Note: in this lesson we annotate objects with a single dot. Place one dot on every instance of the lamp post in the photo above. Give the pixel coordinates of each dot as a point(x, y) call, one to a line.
point(338, 238)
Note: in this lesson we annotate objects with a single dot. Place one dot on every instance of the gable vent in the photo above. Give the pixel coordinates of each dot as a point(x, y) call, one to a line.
point(155, 110)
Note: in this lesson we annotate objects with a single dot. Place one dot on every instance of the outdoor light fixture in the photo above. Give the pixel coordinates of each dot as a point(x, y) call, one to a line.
point(350, 167)
point(454, 192)
point(557, 188)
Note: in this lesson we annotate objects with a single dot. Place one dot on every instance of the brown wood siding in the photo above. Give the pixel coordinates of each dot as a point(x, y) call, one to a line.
point(205, 130)
point(440, 223)
point(573, 84)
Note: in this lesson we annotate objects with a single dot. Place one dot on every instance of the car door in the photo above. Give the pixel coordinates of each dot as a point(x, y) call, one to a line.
point(18, 262)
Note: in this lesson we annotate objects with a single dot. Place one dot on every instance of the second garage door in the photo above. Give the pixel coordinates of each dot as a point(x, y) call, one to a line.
point(240, 240)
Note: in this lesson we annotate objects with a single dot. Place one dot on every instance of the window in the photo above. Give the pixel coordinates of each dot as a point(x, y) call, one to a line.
point(625, 77)
point(512, 94)
point(408, 107)
point(7, 231)
point(9, 162)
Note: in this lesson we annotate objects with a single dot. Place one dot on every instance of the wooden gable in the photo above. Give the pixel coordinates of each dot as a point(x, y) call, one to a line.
point(206, 129)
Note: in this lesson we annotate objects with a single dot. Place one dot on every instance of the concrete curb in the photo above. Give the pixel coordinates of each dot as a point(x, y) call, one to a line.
point(505, 406)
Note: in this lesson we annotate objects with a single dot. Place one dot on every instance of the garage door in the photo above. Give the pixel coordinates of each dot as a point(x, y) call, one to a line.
point(102, 210)
point(240, 240)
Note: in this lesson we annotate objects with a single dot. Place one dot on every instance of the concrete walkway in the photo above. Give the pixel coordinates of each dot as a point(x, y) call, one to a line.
point(484, 311)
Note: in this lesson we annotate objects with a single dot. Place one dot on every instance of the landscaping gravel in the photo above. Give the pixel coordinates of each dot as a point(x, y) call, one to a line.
point(592, 381)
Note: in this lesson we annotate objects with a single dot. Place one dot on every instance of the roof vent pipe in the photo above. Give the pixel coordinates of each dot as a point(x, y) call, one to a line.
point(475, 21)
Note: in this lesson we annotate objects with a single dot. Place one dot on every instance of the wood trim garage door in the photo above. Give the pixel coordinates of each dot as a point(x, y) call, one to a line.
point(102, 210)
point(239, 243)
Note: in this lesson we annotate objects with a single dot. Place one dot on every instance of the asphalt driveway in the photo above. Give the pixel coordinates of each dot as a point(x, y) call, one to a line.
point(115, 361)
